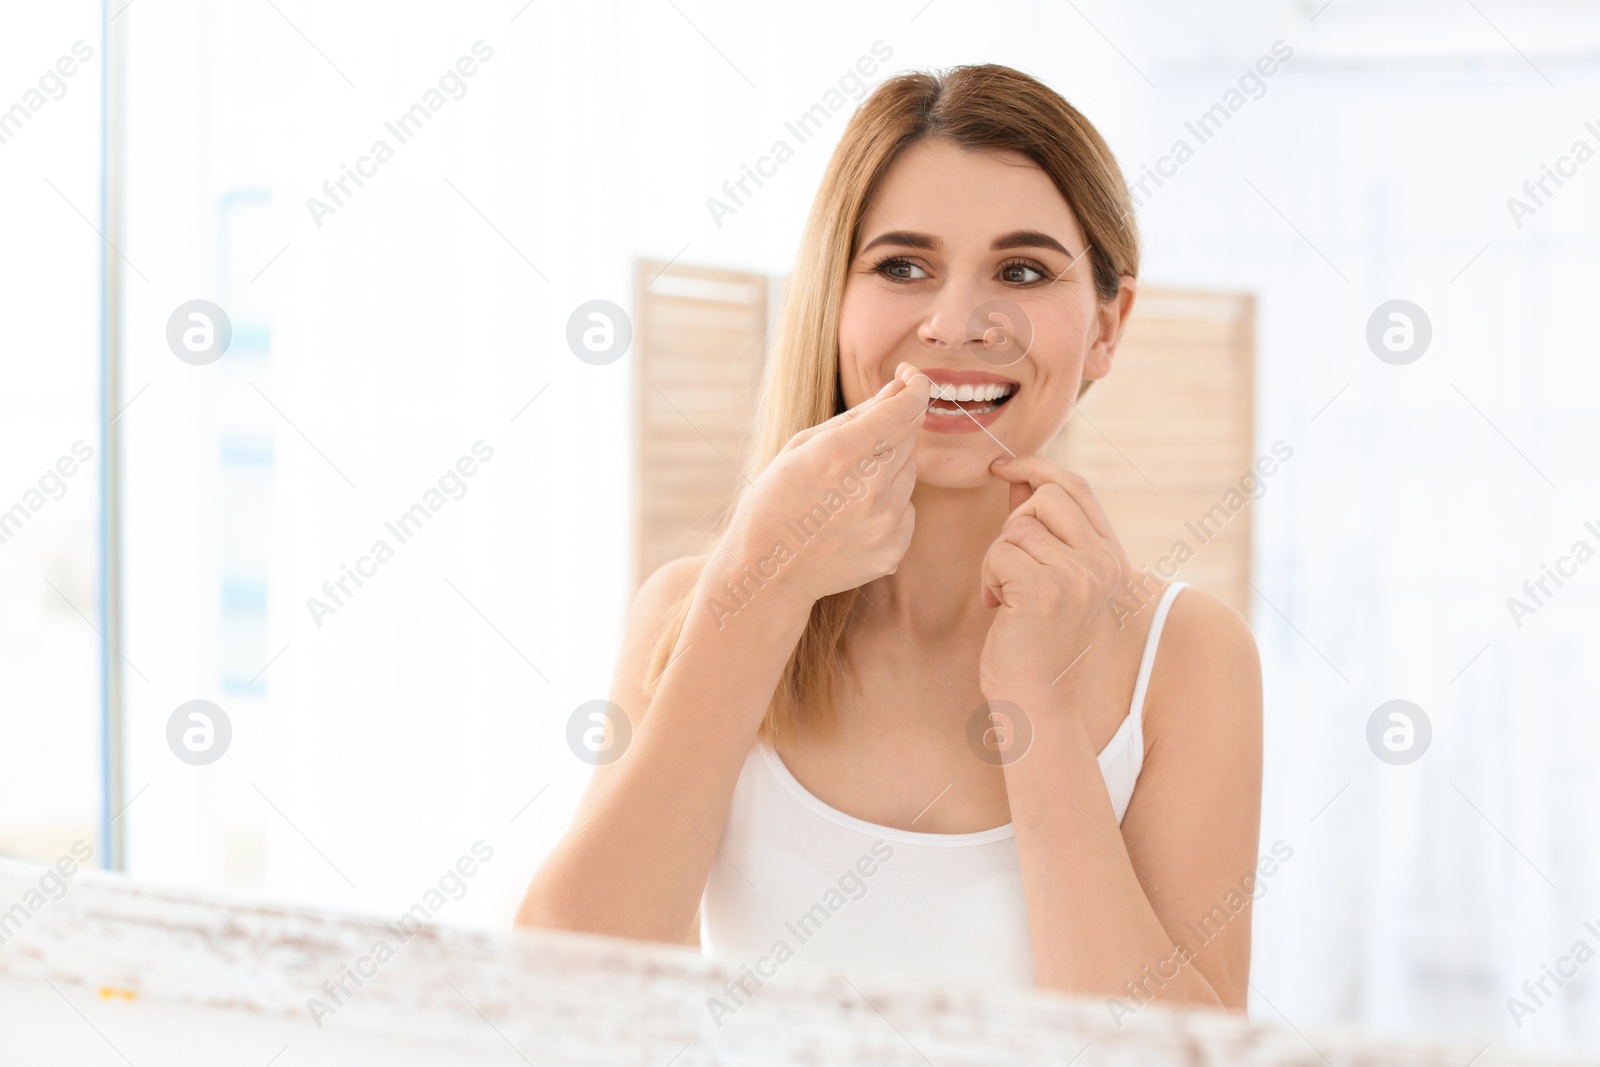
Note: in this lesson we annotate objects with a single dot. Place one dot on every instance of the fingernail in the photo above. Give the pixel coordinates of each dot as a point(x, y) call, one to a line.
point(890, 386)
point(1001, 462)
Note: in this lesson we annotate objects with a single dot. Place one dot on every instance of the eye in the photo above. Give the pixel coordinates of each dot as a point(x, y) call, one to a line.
point(1021, 272)
point(899, 269)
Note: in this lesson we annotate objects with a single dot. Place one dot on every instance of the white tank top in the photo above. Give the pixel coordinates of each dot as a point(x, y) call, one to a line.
point(797, 879)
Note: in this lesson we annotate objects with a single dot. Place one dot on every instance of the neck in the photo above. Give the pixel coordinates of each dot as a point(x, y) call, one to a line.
point(937, 587)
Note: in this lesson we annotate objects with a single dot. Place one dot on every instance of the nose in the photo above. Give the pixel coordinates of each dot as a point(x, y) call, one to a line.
point(994, 330)
point(949, 321)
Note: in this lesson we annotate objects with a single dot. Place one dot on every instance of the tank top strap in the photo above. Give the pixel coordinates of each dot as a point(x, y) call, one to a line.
point(1147, 661)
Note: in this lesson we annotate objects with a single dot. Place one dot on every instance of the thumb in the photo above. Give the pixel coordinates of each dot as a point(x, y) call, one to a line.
point(890, 388)
point(850, 415)
point(1021, 488)
point(1020, 491)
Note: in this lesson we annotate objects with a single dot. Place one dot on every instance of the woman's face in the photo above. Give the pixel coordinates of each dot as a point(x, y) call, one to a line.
point(970, 265)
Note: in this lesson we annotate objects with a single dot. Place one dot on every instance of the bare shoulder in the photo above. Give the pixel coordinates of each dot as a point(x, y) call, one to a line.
point(1203, 626)
point(654, 609)
point(1207, 674)
point(660, 593)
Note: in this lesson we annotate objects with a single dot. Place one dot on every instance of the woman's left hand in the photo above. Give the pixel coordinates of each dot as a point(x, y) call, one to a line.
point(1052, 571)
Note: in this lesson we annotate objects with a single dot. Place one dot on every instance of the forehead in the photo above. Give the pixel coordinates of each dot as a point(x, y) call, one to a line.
point(964, 196)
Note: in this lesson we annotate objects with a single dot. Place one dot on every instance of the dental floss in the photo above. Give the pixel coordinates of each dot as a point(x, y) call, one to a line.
point(939, 394)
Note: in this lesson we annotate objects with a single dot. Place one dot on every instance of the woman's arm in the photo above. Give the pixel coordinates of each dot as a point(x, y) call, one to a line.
point(637, 855)
point(1158, 907)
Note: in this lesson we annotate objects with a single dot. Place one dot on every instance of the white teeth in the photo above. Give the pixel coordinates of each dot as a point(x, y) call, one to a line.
point(983, 392)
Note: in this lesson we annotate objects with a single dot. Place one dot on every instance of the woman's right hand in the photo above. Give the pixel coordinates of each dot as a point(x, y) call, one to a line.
point(833, 510)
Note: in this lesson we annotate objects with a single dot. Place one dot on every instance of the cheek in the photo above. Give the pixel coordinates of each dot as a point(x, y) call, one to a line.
point(873, 327)
point(1058, 346)
point(1048, 414)
point(1057, 357)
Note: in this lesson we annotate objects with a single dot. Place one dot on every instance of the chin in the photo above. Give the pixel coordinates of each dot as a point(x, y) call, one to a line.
point(960, 464)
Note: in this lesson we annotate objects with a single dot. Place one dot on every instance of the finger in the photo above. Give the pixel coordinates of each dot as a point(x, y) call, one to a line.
point(1034, 538)
point(872, 460)
point(889, 418)
point(1004, 564)
point(895, 446)
point(903, 482)
point(889, 430)
point(1035, 471)
point(890, 388)
point(901, 411)
point(1061, 515)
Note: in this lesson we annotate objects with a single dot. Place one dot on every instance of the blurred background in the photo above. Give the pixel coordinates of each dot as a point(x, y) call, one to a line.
point(406, 362)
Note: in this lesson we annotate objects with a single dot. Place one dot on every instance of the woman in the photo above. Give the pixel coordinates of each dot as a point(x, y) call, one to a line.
point(895, 718)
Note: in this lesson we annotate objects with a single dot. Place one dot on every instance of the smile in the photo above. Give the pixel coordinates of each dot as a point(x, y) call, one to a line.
point(962, 401)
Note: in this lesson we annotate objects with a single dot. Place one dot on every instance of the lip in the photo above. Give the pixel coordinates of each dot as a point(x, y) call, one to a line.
point(972, 421)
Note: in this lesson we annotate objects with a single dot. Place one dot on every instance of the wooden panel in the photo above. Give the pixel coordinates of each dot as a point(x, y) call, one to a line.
point(96, 969)
point(700, 342)
point(1166, 437)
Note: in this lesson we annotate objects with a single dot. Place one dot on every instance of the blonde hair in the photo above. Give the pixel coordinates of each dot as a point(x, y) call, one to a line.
point(985, 107)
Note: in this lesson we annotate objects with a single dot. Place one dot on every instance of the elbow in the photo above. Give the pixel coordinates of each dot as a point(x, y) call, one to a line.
point(531, 913)
point(540, 909)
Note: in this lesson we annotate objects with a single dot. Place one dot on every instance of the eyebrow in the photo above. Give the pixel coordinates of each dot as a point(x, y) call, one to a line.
point(902, 237)
point(927, 242)
point(1028, 239)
